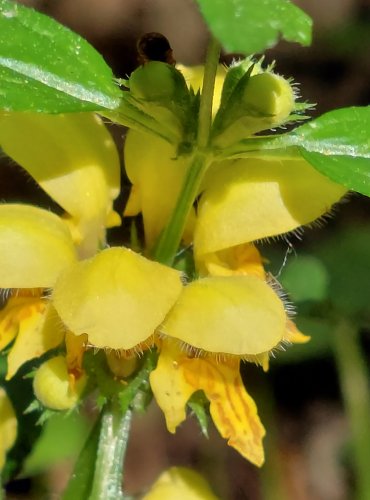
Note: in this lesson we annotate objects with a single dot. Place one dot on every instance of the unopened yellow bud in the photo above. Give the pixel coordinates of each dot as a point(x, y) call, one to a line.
point(52, 385)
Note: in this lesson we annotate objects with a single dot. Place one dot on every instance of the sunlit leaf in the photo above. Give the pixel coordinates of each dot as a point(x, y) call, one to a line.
point(252, 26)
point(46, 67)
point(337, 144)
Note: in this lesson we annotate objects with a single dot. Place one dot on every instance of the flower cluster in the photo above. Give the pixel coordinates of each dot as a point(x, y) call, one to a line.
point(67, 288)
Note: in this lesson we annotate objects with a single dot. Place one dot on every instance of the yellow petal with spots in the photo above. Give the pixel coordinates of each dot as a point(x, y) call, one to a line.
point(237, 315)
point(157, 175)
point(233, 411)
point(39, 331)
point(177, 376)
point(35, 245)
point(247, 200)
point(182, 484)
point(75, 349)
point(73, 158)
point(170, 388)
point(18, 308)
point(8, 426)
point(117, 298)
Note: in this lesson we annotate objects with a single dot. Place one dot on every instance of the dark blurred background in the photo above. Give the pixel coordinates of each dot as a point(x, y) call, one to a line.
point(300, 400)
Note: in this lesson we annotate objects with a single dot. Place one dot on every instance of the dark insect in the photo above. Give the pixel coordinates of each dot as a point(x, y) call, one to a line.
point(154, 47)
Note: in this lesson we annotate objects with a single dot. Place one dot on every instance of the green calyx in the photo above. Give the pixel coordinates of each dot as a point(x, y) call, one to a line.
point(160, 90)
point(154, 81)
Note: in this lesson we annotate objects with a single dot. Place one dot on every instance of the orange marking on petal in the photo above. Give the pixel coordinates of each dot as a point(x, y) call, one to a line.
point(233, 410)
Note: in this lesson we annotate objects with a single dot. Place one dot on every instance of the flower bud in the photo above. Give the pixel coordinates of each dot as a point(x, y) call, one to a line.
point(258, 102)
point(155, 81)
point(52, 385)
point(268, 95)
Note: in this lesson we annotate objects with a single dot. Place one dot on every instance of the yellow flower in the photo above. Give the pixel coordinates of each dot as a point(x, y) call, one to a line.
point(118, 298)
point(73, 158)
point(181, 483)
point(241, 200)
point(35, 245)
point(8, 426)
point(102, 297)
point(233, 311)
point(232, 314)
point(178, 375)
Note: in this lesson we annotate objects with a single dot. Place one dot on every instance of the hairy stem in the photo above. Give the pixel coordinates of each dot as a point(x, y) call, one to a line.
point(168, 243)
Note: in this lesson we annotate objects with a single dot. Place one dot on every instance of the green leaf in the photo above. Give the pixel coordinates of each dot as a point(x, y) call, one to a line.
point(199, 405)
point(254, 25)
point(62, 438)
point(80, 483)
point(337, 144)
point(46, 67)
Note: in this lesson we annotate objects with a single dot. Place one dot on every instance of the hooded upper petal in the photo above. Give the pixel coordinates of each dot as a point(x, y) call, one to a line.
point(247, 200)
point(117, 298)
point(35, 245)
point(237, 315)
point(157, 175)
point(73, 158)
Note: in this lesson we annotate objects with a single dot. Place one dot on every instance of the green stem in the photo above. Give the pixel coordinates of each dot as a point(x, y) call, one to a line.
point(354, 377)
point(114, 434)
point(167, 246)
point(206, 98)
point(169, 241)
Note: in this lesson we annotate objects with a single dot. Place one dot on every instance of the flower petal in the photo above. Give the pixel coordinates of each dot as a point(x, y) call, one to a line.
point(252, 199)
point(52, 385)
point(169, 385)
point(8, 426)
point(237, 315)
point(72, 157)
point(35, 245)
point(181, 483)
point(194, 79)
point(238, 260)
point(157, 176)
point(233, 411)
point(117, 298)
point(39, 331)
point(75, 349)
